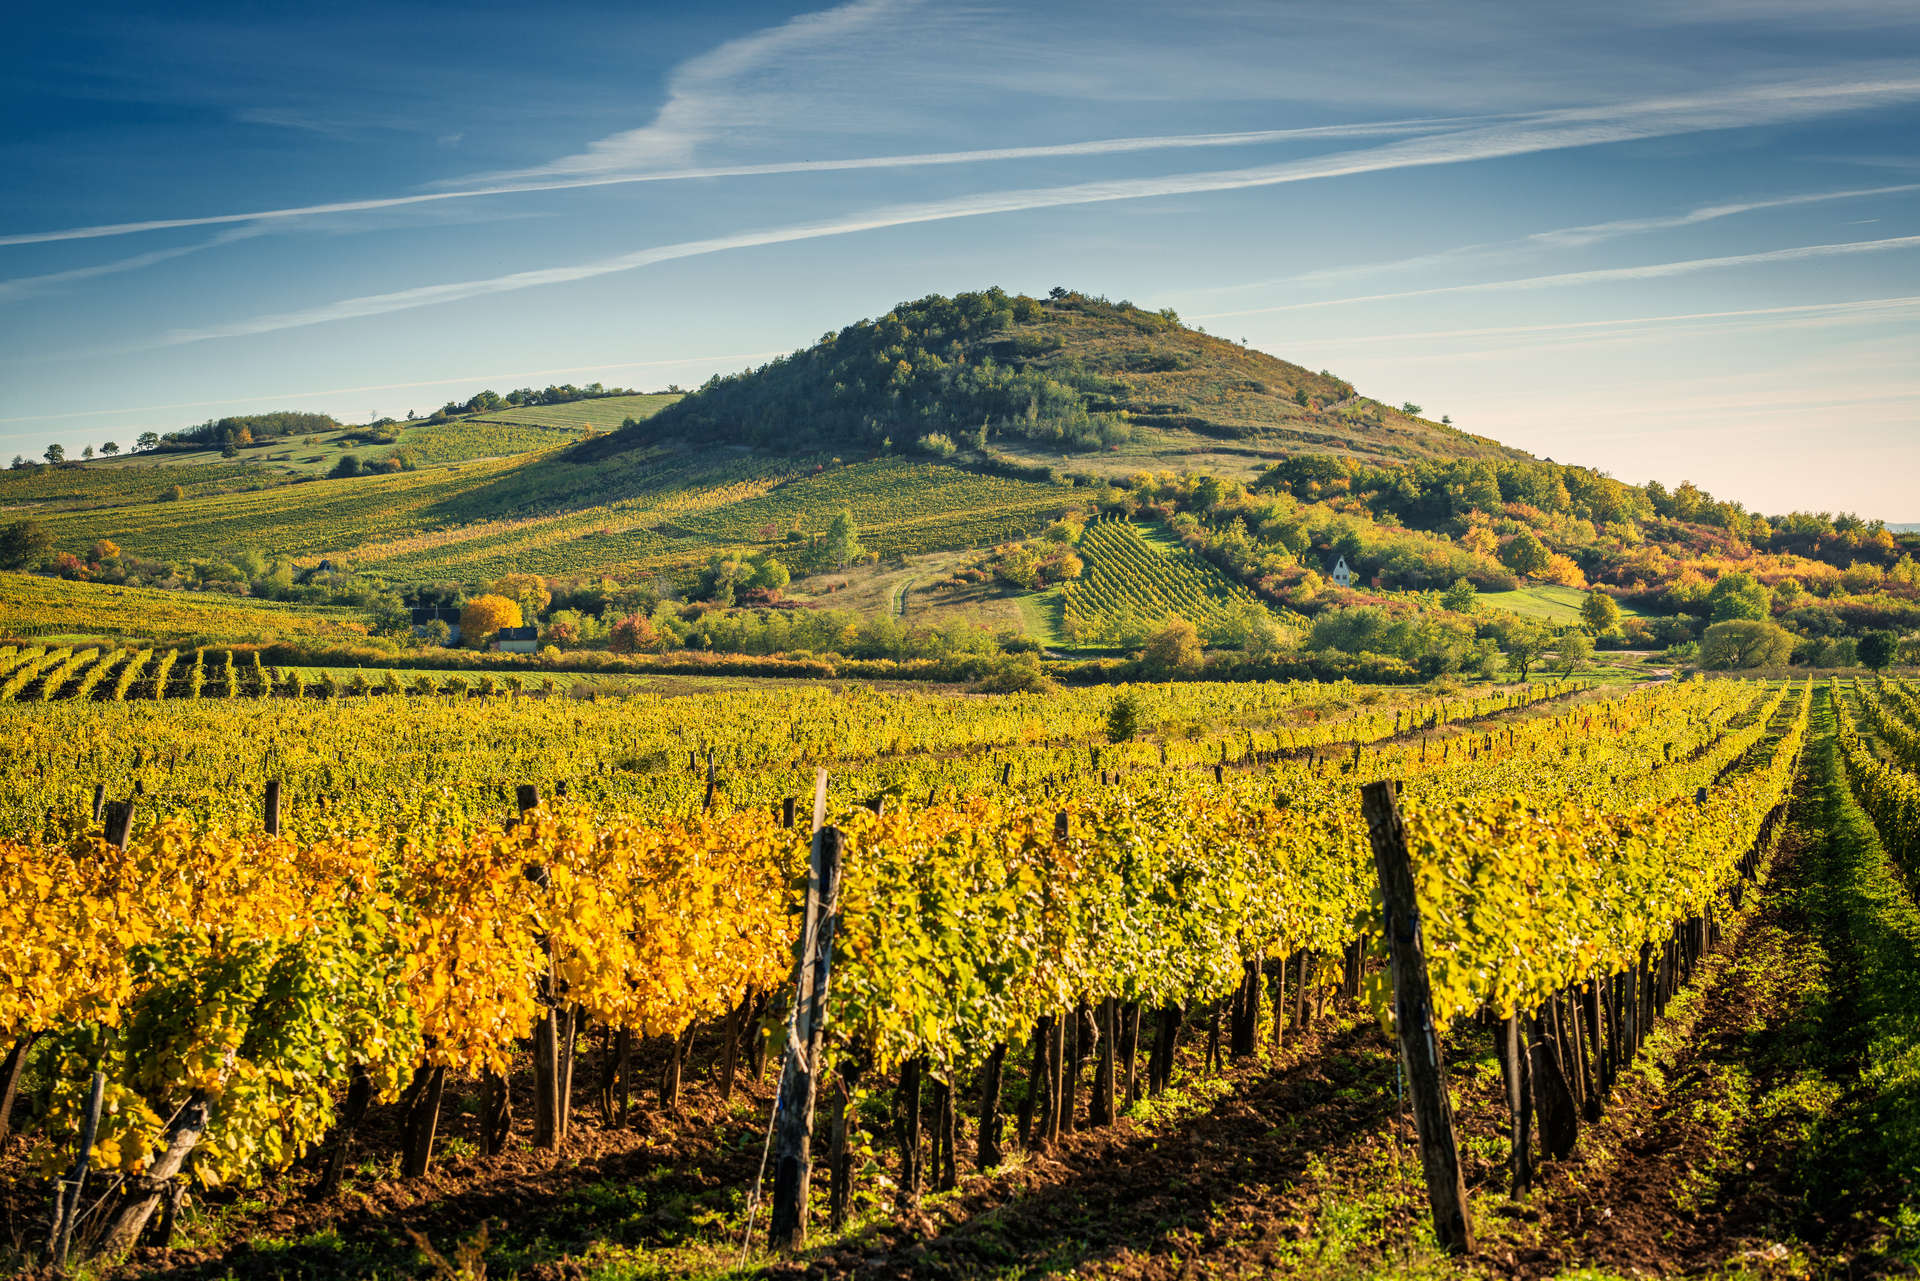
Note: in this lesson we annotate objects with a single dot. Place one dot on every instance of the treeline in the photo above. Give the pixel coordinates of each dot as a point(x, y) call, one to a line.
point(246, 429)
point(490, 401)
point(1447, 496)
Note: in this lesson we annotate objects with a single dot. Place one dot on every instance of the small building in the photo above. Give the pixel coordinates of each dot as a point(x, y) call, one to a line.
point(516, 640)
point(1340, 574)
point(424, 616)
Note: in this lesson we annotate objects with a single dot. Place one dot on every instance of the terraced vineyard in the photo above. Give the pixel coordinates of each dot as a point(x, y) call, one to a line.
point(1130, 585)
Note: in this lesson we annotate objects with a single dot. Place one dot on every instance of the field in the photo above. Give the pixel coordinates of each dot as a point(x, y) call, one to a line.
point(1548, 602)
point(1094, 1002)
point(602, 413)
point(133, 479)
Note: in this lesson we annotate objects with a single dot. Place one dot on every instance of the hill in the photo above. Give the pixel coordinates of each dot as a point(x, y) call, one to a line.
point(983, 457)
point(1108, 387)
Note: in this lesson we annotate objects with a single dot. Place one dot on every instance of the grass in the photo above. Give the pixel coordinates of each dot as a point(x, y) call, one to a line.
point(1548, 602)
point(601, 413)
point(1868, 906)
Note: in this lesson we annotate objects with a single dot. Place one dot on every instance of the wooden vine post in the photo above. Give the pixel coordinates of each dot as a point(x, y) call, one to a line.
point(806, 1036)
point(1420, 1053)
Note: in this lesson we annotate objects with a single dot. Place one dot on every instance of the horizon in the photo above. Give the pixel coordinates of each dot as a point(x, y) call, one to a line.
point(1664, 242)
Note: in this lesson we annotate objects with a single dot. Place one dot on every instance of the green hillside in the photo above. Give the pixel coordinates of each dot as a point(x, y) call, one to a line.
point(1103, 383)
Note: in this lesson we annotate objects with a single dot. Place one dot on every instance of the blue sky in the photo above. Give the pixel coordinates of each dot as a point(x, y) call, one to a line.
point(1674, 239)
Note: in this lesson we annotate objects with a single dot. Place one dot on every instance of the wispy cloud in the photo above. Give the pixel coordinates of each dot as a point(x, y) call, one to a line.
point(30, 286)
point(706, 94)
point(1602, 275)
point(1556, 131)
point(1093, 147)
point(1863, 307)
point(1579, 237)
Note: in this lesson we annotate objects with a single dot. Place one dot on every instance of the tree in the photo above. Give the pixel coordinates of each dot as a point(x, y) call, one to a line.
point(1174, 648)
point(1525, 554)
point(1123, 717)
point(769, 575)
point(1410, 409)
point(172, 494)
point(1526, 642)
point(22, 544)
point(1877, 649)
point(56, 453)
point(529, 589)
point(486, 614)
point(1461, 597)
point(1576, 648)
point(104, 550)
point(633, 634)
point(110, 448)
point(1600, 612)
point(1738, 595)
point(147, 440)
point(1744, 643)
point(842, 543)
point(87, 452)
point(349, 465)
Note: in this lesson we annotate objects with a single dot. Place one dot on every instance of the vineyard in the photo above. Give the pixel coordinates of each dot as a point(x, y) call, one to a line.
point(32, 605)
point(538, 929)
point(653, 511)
point(1131, 585)
point(80, 674)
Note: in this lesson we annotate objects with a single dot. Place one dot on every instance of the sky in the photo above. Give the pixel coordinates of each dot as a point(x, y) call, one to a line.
point(1671, 239)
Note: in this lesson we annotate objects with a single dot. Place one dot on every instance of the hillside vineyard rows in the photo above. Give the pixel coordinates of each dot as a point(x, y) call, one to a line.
point(1129, 585)
point(449, 882)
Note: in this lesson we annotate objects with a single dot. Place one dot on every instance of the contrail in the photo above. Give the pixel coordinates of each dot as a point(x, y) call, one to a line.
point(1568, 129)
point(1099, 147)
point(1650, 271)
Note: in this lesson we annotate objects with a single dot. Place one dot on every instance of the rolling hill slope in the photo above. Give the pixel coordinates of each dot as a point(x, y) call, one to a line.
point(990, 372)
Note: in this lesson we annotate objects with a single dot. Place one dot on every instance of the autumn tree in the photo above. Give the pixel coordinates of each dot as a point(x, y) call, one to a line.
point(1525, 554)
point(1174, 648)
point(1575, 650)
point(1600, 612)
point(486, 614)
point(529, 589)
point(1526, 642)
point(22, 544)
point(842, 542)
point(1745, 642)
point(633, 634)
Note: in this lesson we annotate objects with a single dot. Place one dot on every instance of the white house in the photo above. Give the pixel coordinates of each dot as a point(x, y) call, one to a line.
point(1341, 575)
point(516, 640)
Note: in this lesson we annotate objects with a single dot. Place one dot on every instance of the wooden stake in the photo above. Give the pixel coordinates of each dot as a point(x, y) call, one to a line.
point(799, 1074)
point(1420, 1051)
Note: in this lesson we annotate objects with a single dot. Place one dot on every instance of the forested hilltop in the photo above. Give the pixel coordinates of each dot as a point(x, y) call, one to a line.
point(982, 370)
